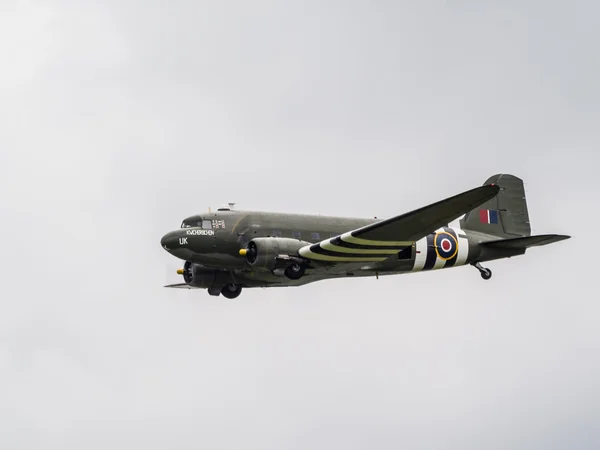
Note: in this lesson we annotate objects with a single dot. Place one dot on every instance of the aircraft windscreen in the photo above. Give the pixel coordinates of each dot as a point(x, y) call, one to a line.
point(205, 224)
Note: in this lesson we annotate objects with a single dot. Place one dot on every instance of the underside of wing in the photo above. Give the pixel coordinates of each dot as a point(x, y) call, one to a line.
point(379, 241)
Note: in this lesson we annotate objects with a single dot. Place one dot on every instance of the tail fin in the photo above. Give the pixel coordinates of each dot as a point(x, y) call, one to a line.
point(506, 214)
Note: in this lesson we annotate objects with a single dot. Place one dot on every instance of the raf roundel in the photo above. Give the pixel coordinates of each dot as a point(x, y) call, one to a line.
point(445, 245)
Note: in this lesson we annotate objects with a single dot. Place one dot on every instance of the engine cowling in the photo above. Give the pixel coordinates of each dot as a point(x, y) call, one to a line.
point(263, 252)
point(202, 277)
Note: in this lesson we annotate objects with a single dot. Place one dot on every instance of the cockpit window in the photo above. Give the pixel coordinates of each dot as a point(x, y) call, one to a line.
point(205, 224)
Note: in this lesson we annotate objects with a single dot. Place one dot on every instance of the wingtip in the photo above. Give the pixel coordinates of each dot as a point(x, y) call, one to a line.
point(488, 190)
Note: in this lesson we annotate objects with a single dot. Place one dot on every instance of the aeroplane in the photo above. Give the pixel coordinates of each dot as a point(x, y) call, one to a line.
point(228, 250)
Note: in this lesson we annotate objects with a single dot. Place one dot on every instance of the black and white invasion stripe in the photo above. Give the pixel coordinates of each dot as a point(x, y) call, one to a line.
point(349, 248)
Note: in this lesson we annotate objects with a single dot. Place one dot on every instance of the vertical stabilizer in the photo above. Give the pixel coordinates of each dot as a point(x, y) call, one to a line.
point(506, 214)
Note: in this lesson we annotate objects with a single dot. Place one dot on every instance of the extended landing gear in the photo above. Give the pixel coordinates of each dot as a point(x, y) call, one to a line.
point(486, 273)
point(231, 290)
point(295, 271)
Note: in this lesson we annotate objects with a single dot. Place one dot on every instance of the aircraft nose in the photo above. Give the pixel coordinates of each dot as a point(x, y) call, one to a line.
point(169, 241)
point(179, 245)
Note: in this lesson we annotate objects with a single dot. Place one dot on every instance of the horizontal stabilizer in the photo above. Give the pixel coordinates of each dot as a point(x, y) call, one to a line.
point(526, 242)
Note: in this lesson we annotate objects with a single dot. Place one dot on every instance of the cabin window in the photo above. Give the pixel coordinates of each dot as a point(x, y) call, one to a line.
point(296, 234)
point(315, 236)
point(206, 224)
point(276, 233)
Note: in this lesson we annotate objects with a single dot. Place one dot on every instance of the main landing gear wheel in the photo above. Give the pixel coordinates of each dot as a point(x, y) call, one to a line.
point(295, 271)
point(231, 290)
point(486, 273)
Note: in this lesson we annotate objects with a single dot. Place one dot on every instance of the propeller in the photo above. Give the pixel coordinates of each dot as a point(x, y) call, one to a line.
point(250, 252)
point(186, 272)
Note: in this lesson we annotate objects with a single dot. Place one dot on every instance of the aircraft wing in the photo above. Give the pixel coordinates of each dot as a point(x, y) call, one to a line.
point(378, 241)
point(180, 286)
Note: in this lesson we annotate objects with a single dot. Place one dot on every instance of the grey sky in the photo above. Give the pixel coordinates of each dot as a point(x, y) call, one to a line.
point(120, 118)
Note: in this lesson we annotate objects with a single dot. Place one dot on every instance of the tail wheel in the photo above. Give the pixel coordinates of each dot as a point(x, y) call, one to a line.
point(295, 271)
point(231, 290)
point(486, 274)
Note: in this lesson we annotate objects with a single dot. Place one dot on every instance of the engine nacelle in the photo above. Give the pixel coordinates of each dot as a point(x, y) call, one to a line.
point(263, 252)
point(202, 277)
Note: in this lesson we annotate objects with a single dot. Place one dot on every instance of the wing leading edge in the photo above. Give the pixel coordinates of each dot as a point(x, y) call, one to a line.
point(378, 241)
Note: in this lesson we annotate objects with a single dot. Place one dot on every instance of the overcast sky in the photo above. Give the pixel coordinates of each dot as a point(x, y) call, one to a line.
point(120, 118)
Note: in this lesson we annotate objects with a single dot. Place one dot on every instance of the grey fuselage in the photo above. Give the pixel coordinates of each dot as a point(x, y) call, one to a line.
point(212, 241)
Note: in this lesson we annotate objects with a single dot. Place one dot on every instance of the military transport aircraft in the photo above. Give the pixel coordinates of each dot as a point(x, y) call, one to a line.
point(227, 250)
